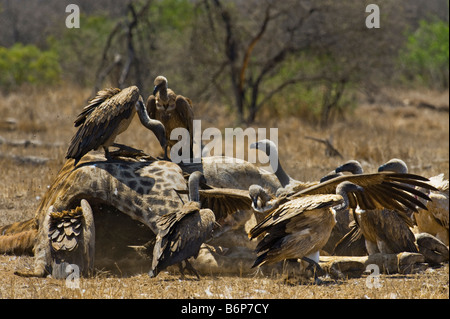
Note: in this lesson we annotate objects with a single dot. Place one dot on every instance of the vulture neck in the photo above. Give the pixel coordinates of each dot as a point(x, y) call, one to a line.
point(153, 125)
point(279, 171)
point(194, 195)
point(163, 96)
point(342, 189)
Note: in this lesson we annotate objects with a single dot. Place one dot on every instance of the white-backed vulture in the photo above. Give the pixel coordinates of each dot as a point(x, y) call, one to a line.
point(300, 227)
point(351, 166)
point(435, 219)
point(107, 115)
point(381, 190)
point(172, 110)
point(261, 199)
point(288, 184)
point(384, 230)
point(345, 238)
point(183, 232)
point(378, 189)
point(226, 201)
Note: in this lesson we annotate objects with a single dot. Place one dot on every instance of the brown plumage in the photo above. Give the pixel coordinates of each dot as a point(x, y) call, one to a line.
point(222, 201)
point(182, 232)
point(174, 111)
point(381, 190)
point(71, 234)
point(435, 219)
point(345, 239)
point(107, 115)
point(383, 230)
point(299, 228)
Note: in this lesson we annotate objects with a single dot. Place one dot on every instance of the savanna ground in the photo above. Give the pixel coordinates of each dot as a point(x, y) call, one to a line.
point(36, 126)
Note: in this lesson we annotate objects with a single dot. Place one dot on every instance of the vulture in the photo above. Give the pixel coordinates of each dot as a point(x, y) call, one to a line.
point(384, 230)
point(174, 111)
point(299, 228)
point(381, 190)
point(351, 166)
point(435, 219)
point(181, 233)
point(107, 115)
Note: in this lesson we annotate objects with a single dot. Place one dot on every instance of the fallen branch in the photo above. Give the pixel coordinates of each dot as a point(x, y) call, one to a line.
point(28, 143)
point(26, 160)
point(330, 151)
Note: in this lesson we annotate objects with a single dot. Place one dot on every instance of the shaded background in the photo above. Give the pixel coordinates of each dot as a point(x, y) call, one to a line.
point(283, 58)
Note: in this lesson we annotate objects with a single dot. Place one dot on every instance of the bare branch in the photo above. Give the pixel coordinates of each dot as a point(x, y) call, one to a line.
point(251, 46)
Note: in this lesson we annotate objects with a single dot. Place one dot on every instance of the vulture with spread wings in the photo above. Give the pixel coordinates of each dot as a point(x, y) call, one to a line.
point(298, 220)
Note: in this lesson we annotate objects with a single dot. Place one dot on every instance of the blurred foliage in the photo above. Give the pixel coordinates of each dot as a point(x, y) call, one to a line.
point(80, 50)
point(425, 58)
point(172, 15)
point(21, 64)
point(310, 59)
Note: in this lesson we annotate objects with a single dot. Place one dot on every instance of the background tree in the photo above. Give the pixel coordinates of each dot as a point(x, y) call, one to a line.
point(292, 57)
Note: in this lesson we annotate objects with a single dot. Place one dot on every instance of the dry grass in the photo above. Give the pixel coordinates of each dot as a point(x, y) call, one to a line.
point(372, 134)
point(432, 284)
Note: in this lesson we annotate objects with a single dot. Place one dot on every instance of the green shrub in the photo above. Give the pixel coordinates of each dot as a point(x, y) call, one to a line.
point(425, 57)
point(21, 64)
point(80, 50)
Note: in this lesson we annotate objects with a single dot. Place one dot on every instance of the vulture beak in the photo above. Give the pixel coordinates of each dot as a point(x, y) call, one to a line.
point(254, 145)
point(381, 168)
point(155, 89)
point(255, 201)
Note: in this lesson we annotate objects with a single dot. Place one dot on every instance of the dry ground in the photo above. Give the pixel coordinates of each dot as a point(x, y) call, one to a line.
point(432, 284)
point(36, 126)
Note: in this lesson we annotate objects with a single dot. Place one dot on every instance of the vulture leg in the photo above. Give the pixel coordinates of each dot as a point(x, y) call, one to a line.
point(166, 149)
point(181, 268)
point(125, 150)
point(189, 267)
point(165, 157)
point(315, 268)
point(107, 154)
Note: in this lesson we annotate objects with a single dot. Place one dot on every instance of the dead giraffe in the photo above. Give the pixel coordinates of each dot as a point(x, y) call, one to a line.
point(143, 190)
point(123, 187)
